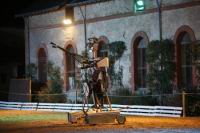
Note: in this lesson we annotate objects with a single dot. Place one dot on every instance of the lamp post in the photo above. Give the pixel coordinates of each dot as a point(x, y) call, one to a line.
point(68, 21)
point(85, 26)
point(159, 6)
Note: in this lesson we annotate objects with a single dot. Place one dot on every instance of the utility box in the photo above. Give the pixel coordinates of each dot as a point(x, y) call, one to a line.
point(19, 90)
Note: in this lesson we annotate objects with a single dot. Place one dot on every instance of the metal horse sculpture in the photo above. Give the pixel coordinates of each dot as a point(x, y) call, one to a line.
point(96, 86)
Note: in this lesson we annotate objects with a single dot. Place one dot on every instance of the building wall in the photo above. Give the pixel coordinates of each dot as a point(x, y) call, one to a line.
point(114, 7)
point(46, 19)
point(116, 21)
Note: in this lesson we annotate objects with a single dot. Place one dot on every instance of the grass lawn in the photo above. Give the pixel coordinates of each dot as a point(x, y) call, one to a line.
point(28, 116)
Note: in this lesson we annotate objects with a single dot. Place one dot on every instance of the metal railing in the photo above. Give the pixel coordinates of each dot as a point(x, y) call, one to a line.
point(167, 111)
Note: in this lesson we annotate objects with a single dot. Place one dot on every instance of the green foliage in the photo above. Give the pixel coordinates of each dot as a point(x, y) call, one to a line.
point(116, 50)
point(55, 78)
point(44, 95)
point(196, 59)
point(53, 92)
point(32, 71)
point(160, 58)
point(124, 96)
point(193, 105)
point(32, 117)
point(123, 92)
point(144, 100)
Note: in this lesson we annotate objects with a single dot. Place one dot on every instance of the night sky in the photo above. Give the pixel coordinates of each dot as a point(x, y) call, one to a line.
point(8, 11)
point(11, 32)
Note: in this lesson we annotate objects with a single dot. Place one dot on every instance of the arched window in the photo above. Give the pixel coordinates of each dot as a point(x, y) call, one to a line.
point(42, 65)
point(140, 61)
point(70, 61)
point(140, 65)
point(70, 67)
point(185, 77)
point(186, 61)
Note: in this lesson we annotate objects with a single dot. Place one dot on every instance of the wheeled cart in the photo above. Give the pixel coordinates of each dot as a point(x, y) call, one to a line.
point(103, 117)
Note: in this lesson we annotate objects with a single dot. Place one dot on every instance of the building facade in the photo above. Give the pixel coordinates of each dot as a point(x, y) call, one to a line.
point(113, 20)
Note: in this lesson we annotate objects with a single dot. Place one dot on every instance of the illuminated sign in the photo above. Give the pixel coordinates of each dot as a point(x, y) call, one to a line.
point(139, 5)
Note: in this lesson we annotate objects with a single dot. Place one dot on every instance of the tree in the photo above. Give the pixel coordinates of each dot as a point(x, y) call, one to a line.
point(31, 71)
point(196, 60)
point(116, 50)
point(53, 91)
point(160, 58)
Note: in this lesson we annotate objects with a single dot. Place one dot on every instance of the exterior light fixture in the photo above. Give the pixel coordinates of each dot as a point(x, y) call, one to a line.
point(139, 5)
point(68, 16)
point(67, 21)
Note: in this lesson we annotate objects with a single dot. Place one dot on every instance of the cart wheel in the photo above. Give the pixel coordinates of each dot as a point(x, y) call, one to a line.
point(121, 119)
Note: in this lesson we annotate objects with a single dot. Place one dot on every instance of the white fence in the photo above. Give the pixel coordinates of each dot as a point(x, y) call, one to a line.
point(167, 111)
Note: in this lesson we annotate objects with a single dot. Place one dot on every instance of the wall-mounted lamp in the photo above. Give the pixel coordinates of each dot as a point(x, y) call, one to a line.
point(67, 21)
point(69, 16)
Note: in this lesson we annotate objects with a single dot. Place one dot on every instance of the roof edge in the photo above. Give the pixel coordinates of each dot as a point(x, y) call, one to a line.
point(55, 8)
point(85, 3)
point(45, 10)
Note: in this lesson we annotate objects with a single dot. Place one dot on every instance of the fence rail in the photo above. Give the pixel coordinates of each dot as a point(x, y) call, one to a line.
point(166, 111)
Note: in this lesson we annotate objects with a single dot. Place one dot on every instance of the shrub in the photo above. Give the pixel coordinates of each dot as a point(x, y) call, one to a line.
point(160, 58)
point(193, 105)
point(52, 92)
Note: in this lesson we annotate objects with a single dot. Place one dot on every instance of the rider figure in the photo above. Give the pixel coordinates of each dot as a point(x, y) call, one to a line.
point(99, 86)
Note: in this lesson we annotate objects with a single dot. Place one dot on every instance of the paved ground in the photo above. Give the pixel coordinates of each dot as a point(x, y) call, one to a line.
point(132, 125)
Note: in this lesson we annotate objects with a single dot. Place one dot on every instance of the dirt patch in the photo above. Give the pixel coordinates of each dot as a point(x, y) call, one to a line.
point(60, 124)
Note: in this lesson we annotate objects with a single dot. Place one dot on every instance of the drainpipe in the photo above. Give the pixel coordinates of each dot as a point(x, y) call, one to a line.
point(26, 21)
point(159, 6)
point(85, 33)
point(85, 26)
